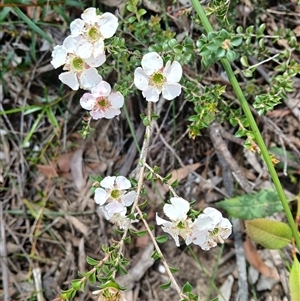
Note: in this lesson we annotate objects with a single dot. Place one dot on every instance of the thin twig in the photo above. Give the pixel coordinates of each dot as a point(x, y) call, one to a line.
point(3, 256)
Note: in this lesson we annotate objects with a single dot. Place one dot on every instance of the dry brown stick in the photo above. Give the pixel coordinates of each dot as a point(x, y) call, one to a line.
point(230, 168)
point(3, 256)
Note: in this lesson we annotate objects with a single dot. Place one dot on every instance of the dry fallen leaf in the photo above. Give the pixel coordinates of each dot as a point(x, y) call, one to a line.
point(255, 260)
point(78, 225)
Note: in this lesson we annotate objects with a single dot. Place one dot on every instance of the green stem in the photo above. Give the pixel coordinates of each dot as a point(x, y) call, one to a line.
point(265, 154)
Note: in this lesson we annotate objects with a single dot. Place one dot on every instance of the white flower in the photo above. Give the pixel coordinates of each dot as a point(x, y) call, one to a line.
point(221, 229)
point(81, 71)
point(114, 190)
point(180, 224)
point(94, 29)
point(102, 102)
point(116, 213)
point(153, 78)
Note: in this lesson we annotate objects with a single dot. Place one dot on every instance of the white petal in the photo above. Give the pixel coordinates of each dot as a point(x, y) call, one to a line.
point(87, 101)
point(128, 198)
point(151, 94)
point(111, 113)
point(141, 80)
point(177, 210)
point(102, 89)
point(96, 61)
point(203, 221)
point(214, 214)
point(116, 99)
point(198, 237)
point(101, 196)
point(108, 25)
point(70, 44)
point(113, 208)
point(108, 182)
point(70, 79)
point(123, 183)
point(59, 55)
point(173, 72)
point(161, 221)
point(98, 48)
point(89, 78)
point(170, 91)
point(89, 15)
point(151, 62)
point(84, 49)
point(76, 27)
point(97, 114)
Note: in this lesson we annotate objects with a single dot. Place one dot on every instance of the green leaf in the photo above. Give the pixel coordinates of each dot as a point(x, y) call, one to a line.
point(250, 206)
point(141, 233)
point(162, 239)
point(131, 19)
point(236, 41)
point(121, 270)
point(131, 8)
point(92, 261)
point(247, 73)
point(155, 255)
point(231, 55)
point(187, 288)
point(141, 12)
point(92, 278)
point(174, 270)
point(32, 25)
point(269, 233)
point(166, 285)
point(294, 281)
point(244, 61)
point(76, 284)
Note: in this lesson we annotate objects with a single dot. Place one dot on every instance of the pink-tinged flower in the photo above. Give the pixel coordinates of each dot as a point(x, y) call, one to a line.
point(102, 102)
point(180, 224)
point(221, 230)
point(80, 66)
point(114, 189)
point(153, 78)
point(94, 29)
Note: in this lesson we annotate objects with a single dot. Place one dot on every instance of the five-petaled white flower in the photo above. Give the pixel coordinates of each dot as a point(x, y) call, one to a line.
point(94, 29)
point(114, 189)
point(81, 71)
point(153, 78)
point(180, 224)
point(102, 102)
point(221, 229)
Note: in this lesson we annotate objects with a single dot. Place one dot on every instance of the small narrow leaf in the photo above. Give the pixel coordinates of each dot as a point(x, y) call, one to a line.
point(162, 239)
point(155, 255)
point(270, 234)
point(165, 285)
point(92, 261)
point(294, 280)
point(174, 270)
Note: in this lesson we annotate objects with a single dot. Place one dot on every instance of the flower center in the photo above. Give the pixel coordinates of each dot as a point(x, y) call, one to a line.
point(77, 63)
point(93, 34)
point(157, 79)
point(115, 193)
point(102, 103)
